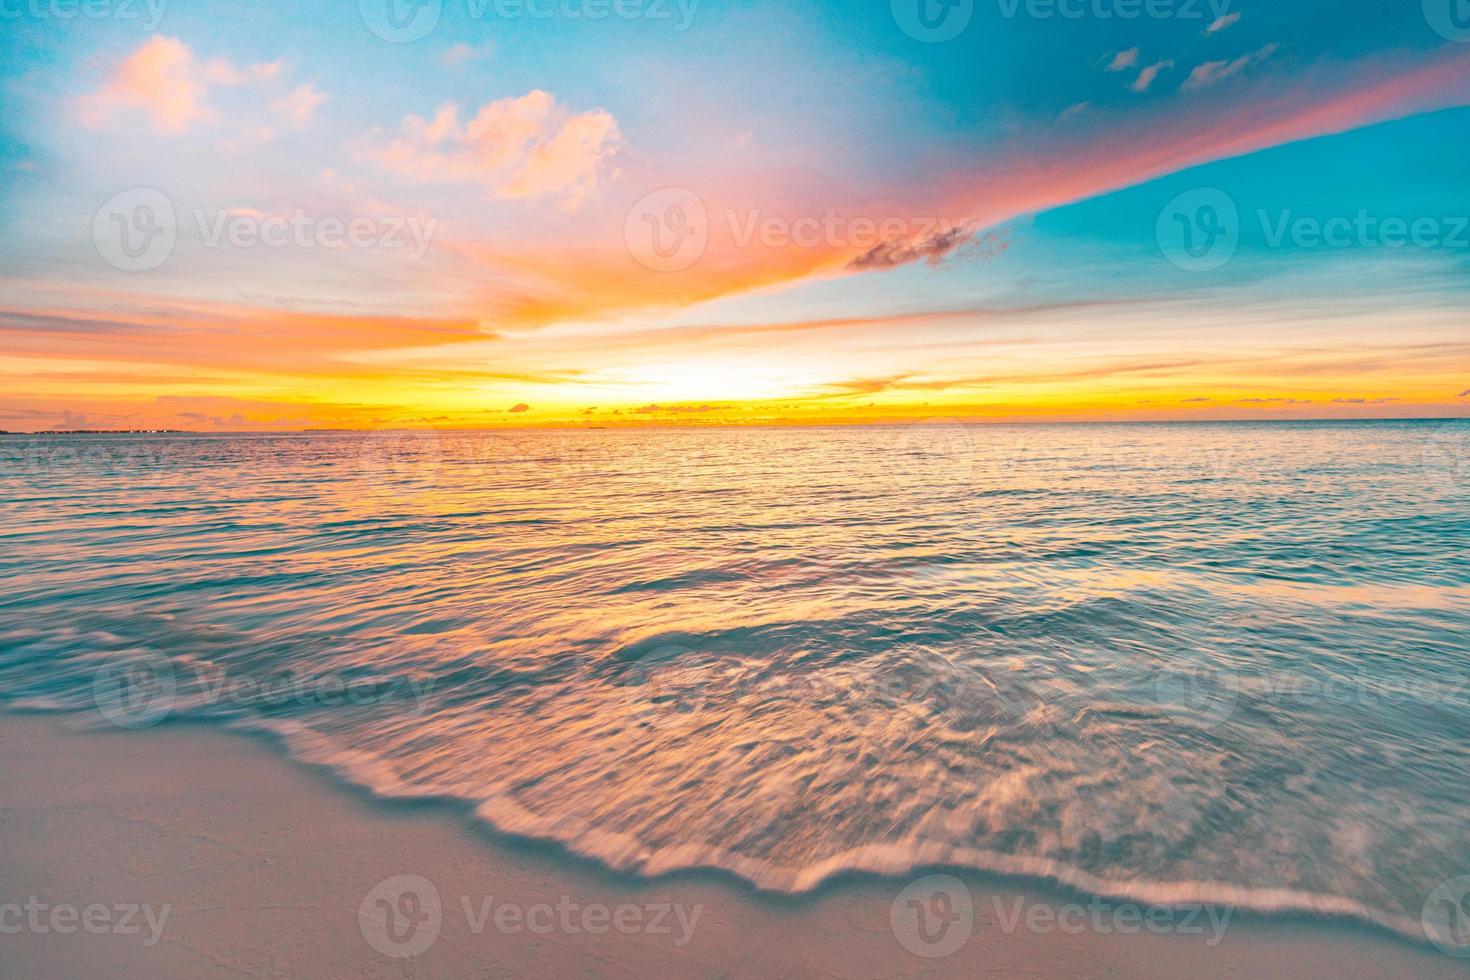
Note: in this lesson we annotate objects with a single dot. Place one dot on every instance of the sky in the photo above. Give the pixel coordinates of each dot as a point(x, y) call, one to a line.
point(475, 213)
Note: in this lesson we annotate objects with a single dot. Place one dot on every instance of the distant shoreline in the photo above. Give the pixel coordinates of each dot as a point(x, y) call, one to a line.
point(637, 427)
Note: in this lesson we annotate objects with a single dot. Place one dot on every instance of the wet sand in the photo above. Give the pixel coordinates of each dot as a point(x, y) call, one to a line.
point(189, 852)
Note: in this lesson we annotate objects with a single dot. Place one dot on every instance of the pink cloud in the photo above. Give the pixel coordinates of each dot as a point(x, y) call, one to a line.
point(1146, 77)
point(556, 278)
point(517, 148)
point(298, 106)
point(163, 80)
point(1219, 24)
point(220, 71)
point(156, 78)
point(1123, 59)
point(1211, 72)
point(460, 54)
point(1335, 99)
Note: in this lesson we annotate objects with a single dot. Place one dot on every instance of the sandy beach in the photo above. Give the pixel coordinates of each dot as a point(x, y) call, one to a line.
point(188, 852)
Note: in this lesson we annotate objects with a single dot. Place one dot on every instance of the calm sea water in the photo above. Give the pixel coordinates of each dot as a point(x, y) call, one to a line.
point(1178, 662)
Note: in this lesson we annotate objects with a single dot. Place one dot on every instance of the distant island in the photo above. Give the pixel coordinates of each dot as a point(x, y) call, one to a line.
point(97, 432)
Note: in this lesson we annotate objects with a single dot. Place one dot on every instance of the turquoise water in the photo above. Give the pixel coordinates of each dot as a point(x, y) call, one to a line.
point(1222, 662)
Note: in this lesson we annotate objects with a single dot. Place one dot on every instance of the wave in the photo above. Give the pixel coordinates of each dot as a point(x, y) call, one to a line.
point(625, 854)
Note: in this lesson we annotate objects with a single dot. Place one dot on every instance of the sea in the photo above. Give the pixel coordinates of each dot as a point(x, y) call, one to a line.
point(1223, 662)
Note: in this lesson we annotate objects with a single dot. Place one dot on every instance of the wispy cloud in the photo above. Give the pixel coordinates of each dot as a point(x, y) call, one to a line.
point(1145, 79)
point(1213, 72)
point(931, 249)
point(1220, 23)
point(1122, 60)
point(299, 105)
point(460, 54)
